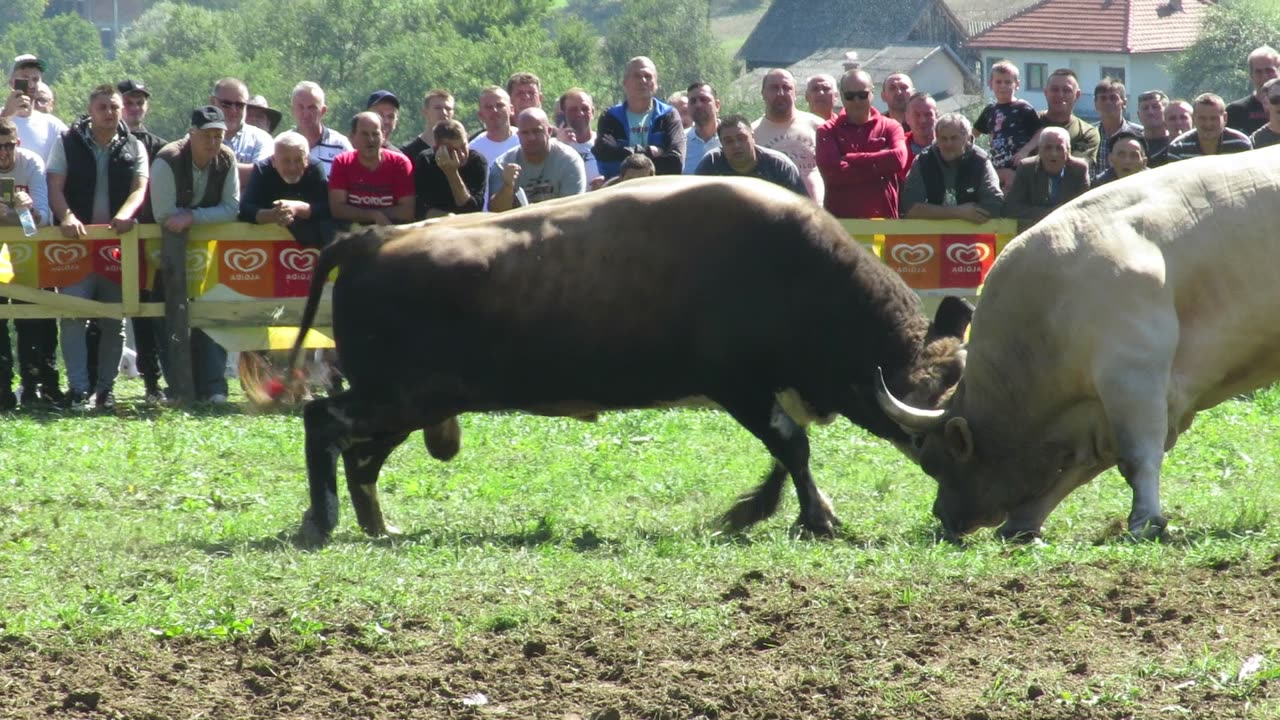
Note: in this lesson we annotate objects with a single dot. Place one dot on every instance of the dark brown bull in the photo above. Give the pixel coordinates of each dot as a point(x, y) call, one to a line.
point(657, 292)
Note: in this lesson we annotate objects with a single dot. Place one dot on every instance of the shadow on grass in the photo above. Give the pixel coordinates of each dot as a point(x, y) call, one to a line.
point(128, 411)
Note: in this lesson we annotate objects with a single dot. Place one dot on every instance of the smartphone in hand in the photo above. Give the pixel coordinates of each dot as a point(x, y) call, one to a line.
point(6, 191)
point(22, 85)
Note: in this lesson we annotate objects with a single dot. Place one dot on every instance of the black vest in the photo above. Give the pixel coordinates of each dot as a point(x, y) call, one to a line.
point(178, 155)
point(82, 170)
point(969, 175)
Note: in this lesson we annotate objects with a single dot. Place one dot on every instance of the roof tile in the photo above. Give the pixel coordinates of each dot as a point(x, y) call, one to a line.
point(1112, 26)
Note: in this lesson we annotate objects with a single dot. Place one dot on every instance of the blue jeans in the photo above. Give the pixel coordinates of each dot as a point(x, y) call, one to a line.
point(208, 366)
point(75, 352)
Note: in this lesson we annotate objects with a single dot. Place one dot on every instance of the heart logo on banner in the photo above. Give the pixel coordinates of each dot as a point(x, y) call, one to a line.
point(19, 254)
point(245, 261)
point(302, 261)
point(912, 254)
point(197, 260)
point(60, 254)
point(974, 254)
point(110, 254)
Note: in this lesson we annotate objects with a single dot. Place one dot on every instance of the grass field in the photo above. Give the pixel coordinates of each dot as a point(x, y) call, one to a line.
point(558, 569)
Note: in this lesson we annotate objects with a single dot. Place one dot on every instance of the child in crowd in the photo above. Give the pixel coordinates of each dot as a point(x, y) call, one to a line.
point(1012, 123)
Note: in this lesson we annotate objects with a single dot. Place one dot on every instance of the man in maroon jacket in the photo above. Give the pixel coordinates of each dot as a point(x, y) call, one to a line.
point(861, 154)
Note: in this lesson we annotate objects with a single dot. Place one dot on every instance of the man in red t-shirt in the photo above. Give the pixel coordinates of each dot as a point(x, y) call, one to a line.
point(371, 185)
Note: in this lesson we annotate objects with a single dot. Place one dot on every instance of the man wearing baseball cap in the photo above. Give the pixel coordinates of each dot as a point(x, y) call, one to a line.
point(39, 131)
point(386, 106)
point(146, 331)
point(194, 181)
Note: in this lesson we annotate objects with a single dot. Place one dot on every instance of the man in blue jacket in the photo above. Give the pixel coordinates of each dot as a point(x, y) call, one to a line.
point(642, 125)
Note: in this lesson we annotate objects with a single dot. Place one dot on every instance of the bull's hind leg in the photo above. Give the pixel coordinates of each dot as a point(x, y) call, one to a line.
point(362, 461)
point(789, 445)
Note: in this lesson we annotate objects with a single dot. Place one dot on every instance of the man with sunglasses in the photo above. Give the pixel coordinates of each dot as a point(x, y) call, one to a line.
point(861, 154)
point(250, 144)
point(1269, 134)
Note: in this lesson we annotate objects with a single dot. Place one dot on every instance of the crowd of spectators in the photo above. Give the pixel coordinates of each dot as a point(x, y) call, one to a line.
point(311, 178)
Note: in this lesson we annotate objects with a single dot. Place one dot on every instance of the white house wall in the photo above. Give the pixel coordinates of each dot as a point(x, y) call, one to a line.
point(1142, 72)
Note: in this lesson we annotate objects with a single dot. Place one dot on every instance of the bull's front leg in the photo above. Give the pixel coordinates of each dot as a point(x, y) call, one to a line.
point(1137, 410)
point(327, 430)
point(362, 461)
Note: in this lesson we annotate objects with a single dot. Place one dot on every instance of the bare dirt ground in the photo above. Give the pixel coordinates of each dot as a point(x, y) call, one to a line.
point(1097, 643)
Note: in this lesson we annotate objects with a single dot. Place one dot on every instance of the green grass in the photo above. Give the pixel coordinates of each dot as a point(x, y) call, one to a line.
point(170, 525)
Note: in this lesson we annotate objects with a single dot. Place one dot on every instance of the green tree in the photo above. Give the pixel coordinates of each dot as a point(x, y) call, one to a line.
point(1217, 61)
point(61, 42)
point(20, 12)
point(675, 34)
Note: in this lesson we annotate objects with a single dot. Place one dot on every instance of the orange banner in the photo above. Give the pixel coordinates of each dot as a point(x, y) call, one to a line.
point(64, 263)
point(247, 267)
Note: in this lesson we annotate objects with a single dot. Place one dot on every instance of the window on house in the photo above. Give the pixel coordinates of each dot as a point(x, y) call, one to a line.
point(1116, 73)
point(1034, 76)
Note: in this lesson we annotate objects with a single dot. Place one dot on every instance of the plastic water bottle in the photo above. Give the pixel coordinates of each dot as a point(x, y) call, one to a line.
point(28, 222)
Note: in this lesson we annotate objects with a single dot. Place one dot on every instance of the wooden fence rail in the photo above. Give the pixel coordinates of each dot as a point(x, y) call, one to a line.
point(249, 282)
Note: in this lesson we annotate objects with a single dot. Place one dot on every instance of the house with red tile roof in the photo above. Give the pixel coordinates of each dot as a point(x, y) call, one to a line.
point(1130, 40)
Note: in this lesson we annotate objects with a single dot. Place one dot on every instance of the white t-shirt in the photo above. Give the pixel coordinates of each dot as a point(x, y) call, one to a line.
point(797, 140)
point(332, 144)
point(39, 132)
point(588, 158)
point(491, 149)
point(28, 176)
point(251, 144)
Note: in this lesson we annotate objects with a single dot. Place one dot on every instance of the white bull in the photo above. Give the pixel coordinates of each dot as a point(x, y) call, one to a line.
point(1099, 334)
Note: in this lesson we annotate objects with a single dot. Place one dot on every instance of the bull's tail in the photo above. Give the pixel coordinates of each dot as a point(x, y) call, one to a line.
point(343, 249)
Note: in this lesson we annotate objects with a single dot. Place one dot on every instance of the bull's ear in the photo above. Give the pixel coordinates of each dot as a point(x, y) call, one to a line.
point(952, 317)
point(959, 441)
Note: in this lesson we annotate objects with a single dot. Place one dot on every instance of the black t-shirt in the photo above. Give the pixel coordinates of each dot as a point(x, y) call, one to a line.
point(265, 186)
point(413, 148)
point(433, 188)
point(1246, 115)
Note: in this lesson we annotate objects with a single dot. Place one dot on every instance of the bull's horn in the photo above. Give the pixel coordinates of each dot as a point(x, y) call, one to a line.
point(913, 420)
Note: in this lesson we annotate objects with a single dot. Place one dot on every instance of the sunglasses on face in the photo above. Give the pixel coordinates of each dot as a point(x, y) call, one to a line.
point(1273, 99)
point(8, 145)
point(857, 94)
point(232, 104)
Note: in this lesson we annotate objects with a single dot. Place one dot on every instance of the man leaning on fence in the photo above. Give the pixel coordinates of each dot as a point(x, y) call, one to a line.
point(194, 181)
point(289, 189)
point(97, 176)
point(26, 171)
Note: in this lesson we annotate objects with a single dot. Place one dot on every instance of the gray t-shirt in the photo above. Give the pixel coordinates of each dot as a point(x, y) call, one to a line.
point(561, 174)
point(101, 154)
point(1264, 137)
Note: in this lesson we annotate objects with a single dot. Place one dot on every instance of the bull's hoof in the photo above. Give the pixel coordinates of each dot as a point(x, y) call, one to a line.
point(820, 527)
point(1021, 536)
point(1148, 529)
point(382, 531)
point(311, 534)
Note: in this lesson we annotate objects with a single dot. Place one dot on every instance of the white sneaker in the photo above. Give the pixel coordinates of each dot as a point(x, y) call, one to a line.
point(129, 363)
point(218, 399)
